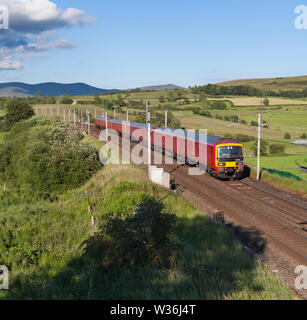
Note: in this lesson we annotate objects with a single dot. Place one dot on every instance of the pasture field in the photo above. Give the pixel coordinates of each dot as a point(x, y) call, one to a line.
point(256, 101)
point(220, 127)
point(280, 83)
point(288, 119)
point(288, 163)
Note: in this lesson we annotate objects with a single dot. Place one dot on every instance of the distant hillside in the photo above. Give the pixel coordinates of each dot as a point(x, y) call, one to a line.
point(161, 88)
point(48, 89)
point(287, 83)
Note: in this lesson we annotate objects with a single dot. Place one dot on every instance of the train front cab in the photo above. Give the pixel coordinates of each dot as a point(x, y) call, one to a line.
point(229, 161)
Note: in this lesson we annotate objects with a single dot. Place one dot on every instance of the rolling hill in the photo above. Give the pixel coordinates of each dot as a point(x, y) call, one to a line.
point(280, 83)
point(161, 88)
point(48, 89)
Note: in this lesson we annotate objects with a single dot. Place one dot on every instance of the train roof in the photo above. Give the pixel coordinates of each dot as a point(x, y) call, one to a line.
point(211, 139)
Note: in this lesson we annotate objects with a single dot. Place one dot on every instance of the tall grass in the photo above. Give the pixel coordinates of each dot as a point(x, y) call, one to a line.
point(42, 244)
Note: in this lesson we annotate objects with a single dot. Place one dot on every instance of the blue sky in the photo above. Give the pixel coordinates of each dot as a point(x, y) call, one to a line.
point(136, 43)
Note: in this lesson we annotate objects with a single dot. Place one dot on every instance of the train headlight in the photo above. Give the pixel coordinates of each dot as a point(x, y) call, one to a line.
point(221, 164)
point(240, 163)
point(222, 170)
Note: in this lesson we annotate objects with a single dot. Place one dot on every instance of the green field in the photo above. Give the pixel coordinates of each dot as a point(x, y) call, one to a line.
point(290, 163)
point(286, 83)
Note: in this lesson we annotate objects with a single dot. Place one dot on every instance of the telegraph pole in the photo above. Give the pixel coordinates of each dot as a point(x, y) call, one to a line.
point(149, 143)
point(166, 114)
point(127, 115)
point(259, 142)
point(146, 111)
point(88, 122)
point(114, 112)
point(107, 135)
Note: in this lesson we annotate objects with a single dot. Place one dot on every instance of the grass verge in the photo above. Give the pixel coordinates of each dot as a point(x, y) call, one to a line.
point(42, 244)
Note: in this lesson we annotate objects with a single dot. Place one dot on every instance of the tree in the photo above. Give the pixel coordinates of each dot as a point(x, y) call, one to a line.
point(46, 155)
point(263, 148)
point(304, 136)
point(146, 237)
point(219, 105)
point(67, 100)
point(17, 110)
point(266, 102)
point(162, 99)
point(287, 136)
point(204, 102)
point(277, 148)
point(97, 99)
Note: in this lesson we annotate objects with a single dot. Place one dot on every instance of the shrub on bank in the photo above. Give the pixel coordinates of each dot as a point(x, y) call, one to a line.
point(46, 155)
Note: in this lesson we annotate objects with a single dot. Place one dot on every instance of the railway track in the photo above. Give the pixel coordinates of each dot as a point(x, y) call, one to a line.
point(286, 210)
point(277, 229)
point(279, 218)
point(287, 198)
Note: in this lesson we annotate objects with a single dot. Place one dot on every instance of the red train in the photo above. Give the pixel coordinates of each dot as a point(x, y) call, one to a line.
point(225, 158)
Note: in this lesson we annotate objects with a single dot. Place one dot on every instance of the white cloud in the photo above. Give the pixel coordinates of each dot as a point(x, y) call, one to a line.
point(9, 64)
point(58, 44)
point(32, 28)
point(41, 15)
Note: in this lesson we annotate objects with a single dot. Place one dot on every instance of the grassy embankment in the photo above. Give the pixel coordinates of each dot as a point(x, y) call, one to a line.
point(41, 242)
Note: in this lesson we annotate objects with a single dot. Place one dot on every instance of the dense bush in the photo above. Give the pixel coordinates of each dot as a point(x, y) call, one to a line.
point(206, 113)
point(244, 137)
point(139, 239)
point(158, 120)
point(46, 156)
point(245, 90)
point(266, 102)
point(66, 100)
point(219, 105)
point(196, 110)
point(17, 110)
point(287, 136)
point(277, 148)
point(263, 147)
